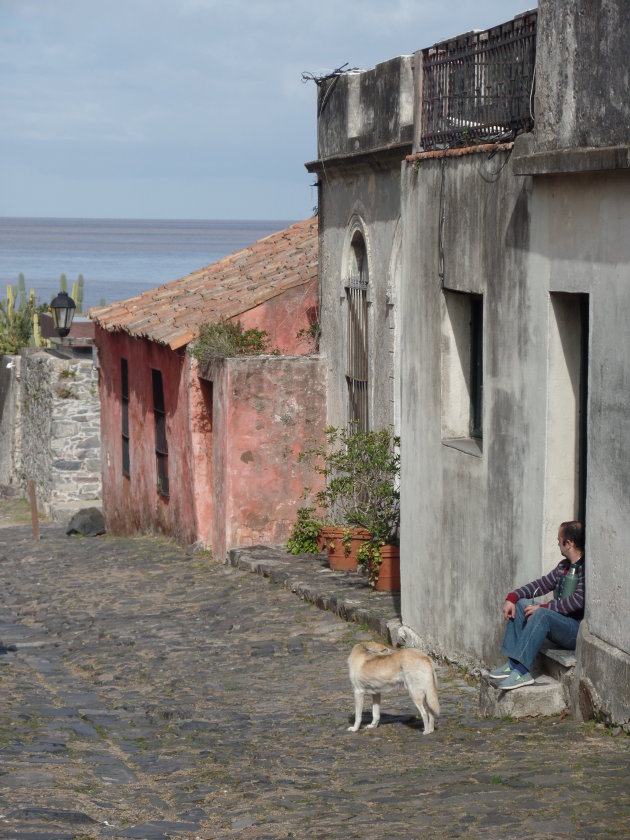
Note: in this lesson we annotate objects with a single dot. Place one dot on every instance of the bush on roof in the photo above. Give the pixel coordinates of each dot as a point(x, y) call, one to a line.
point(227, 338)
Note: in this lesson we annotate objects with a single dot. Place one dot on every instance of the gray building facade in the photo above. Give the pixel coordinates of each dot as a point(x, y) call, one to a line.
point(510, 310)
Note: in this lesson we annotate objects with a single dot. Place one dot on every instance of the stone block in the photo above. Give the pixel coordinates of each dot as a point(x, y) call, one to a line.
point(88, 522)
point(543, 698)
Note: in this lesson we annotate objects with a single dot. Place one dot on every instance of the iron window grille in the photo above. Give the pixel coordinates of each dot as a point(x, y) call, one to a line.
point(357, 342)
point(479, 87)
point(161, 446)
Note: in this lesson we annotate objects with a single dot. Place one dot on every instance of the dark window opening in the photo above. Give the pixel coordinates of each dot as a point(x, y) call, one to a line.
point(357, 338)
point(161, 446)
point(476, 366)
point(125, 416)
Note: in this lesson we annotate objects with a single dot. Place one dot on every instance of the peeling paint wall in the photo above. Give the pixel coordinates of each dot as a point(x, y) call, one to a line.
point(132, 503)
point(469, 517)
point(364, 131)
point(266, 411)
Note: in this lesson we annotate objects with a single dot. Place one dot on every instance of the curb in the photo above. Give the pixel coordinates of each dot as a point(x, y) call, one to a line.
point(347, 595)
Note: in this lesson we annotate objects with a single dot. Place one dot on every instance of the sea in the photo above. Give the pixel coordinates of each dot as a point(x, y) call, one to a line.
point(118, 258)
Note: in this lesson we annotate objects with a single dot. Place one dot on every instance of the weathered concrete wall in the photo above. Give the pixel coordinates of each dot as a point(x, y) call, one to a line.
point(367, 111)
point(364, 131)
point(60, 431)
point(470, 519)
point(266, 411)
point(366, 201)
point(486, 521)
point(582, 74)
point(580, 243)
point(10, 420)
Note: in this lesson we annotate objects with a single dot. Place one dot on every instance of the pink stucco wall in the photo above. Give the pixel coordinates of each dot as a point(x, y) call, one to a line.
point(282, 317)
point(267, 410)
point(132, 504)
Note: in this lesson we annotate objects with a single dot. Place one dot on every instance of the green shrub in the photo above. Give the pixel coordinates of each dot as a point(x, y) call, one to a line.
point(362, 474)
point(227, 338)
point(303, 539)
point(17, 319)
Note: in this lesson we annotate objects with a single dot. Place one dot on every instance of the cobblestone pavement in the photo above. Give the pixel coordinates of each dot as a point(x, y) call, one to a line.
point(147, 692)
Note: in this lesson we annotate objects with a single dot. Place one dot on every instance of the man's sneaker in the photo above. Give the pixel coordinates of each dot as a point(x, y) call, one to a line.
point(502, 672)
point(516, 680)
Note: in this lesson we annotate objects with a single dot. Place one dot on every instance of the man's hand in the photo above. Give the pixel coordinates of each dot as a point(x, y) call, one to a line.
point(509, 610)
point(530, 609)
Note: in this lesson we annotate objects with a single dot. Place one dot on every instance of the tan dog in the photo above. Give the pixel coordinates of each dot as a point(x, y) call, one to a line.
point(375, 668)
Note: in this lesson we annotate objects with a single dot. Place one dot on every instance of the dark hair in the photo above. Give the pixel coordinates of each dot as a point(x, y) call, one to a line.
point(573, 531)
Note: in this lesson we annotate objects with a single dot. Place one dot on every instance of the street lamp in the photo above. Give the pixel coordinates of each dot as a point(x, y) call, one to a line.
point(62, 313)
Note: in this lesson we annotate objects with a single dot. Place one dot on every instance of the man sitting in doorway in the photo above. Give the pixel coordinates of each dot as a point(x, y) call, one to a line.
point(529, 624)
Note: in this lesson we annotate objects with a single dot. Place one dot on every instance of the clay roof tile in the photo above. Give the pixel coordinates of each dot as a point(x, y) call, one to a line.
point(173, 313)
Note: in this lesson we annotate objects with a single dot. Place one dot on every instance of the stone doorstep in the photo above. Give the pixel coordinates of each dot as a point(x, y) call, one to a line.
point(558, 664)
point(543, 698)
point(549, 695)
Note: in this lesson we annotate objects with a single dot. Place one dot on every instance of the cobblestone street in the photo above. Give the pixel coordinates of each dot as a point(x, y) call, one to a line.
point(147, 692)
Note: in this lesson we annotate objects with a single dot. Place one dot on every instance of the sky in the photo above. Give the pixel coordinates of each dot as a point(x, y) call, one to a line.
point(187, 109)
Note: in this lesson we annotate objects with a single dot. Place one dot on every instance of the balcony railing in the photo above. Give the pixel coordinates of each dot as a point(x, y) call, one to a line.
point(480, 86)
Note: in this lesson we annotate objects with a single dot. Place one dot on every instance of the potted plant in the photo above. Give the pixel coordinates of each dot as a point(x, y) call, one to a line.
point(361, 498)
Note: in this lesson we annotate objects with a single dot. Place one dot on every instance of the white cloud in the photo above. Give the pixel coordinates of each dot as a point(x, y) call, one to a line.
point(174, 84)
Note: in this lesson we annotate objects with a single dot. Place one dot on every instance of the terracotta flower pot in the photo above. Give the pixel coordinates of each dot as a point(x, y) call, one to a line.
point(389, 571)
point(342, 553)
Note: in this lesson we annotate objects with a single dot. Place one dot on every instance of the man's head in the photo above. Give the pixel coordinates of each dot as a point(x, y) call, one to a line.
point(571, 539)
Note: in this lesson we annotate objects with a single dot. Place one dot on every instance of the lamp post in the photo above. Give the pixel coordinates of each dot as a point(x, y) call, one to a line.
point(62, 313)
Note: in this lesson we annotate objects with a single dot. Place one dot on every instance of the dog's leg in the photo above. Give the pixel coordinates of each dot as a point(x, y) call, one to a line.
point(427, 718)
point(358, 710)
point(376, 711)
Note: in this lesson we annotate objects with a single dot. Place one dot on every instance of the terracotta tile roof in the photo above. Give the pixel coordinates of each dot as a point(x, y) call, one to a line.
point(172, 314)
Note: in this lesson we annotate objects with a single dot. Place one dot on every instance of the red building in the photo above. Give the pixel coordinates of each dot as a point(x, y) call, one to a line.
point(209, 452)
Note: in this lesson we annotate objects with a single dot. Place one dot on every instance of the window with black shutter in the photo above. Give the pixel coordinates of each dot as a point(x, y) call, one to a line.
point(161, 446)
point(124, 381)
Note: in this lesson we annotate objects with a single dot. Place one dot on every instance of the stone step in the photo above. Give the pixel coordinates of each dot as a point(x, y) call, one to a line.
point(544, 697)
point(558, 663)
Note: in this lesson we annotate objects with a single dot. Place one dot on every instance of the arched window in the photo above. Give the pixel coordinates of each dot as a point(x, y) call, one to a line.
point(357, 335)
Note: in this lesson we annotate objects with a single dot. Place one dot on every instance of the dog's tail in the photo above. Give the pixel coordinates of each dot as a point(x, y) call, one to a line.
point(432, 694)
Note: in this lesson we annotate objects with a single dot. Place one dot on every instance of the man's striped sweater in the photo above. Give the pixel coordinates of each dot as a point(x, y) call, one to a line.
point(573, 606)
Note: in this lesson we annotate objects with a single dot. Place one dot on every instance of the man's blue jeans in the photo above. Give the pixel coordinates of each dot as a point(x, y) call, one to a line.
point(523, 638)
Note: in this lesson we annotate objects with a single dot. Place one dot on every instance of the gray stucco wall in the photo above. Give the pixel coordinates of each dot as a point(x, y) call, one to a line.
point(482, 520)
point(365, 200)
point(364, 132)
point(366, 111)
point(581, 243)
point(582, 74)
point(470, 523)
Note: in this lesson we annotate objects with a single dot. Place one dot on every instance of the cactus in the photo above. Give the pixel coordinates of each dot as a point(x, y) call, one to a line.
point(21, 289)
point(17, 322)
point(37, 340)
point(79, 298)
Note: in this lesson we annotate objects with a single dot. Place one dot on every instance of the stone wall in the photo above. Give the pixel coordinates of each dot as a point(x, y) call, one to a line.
point(10, 426)
point(60, 429)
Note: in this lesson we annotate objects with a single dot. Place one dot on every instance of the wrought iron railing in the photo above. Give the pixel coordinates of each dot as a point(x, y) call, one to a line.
point(479, 86)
